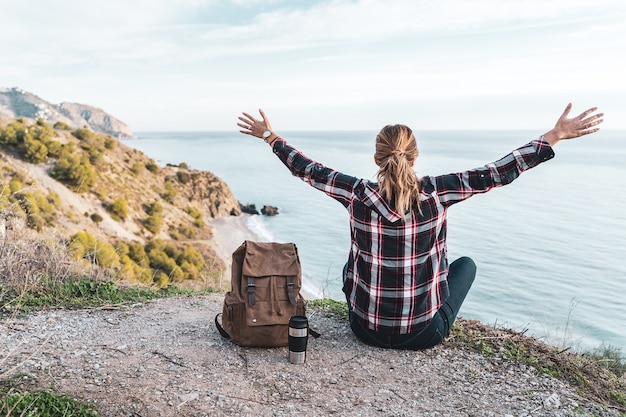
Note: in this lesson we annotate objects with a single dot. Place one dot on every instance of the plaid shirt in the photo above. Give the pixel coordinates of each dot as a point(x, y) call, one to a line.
point(396, 278)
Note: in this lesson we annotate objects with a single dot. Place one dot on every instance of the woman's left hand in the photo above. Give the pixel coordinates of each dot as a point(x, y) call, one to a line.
point(252, 126)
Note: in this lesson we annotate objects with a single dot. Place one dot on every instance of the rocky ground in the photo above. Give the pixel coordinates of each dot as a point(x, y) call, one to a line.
point(165, 358)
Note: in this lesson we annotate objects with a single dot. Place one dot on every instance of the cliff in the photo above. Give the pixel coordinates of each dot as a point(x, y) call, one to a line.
point(90, 187)
point(15, 103)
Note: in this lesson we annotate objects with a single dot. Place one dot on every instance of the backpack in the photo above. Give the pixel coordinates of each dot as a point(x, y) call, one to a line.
point(265, 292)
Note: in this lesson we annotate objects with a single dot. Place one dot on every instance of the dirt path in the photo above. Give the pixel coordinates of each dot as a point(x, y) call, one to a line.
point(165, 358)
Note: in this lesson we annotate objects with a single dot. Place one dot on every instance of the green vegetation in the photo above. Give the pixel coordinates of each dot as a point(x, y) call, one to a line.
point(330, 307)
point(175, 263)
point(34, 143)
point(75, 171)
point(35, 151)
point(110, 143)
point(155, 219)
point(40, 210)
point(157, 263)
point(83, 292)
point(96, 218)
point(37, 143)
point(84, 246)
point(118, 209)
point(152, 167)
point(62, 126)
point(597, 375)
point(83, 133)
point(170, 192)
point(137, 168)
point(196, 215)
point(183, 177)
point(15, 401)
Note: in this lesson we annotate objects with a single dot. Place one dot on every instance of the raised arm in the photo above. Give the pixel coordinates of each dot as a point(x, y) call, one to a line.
point(258, 128)
point(581, 125)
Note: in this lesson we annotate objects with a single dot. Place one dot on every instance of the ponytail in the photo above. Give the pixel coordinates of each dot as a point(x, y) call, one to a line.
point(396, 149)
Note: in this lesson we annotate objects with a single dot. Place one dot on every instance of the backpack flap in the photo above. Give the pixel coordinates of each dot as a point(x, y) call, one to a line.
point(263, 259)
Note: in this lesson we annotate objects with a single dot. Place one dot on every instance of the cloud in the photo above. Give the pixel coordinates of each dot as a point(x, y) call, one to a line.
point(332, 53)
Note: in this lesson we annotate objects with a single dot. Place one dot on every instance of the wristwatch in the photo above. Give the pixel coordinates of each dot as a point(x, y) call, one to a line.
point(266, 135)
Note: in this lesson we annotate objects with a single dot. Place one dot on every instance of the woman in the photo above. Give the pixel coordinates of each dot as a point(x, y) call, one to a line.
point(401, 292)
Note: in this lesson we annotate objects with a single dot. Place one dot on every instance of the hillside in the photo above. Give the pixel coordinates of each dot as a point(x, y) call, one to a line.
point(15, 103)
point(114, 204)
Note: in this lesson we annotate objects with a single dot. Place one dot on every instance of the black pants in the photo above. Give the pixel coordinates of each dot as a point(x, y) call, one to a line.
point(460, 278)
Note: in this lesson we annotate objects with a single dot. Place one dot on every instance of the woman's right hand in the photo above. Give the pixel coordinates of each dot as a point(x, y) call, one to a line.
point(581, 125)
point(256, 128)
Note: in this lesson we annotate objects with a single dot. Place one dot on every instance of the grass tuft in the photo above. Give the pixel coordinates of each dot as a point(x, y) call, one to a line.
point(330, 307)
point(15, 401)
point(598, 375)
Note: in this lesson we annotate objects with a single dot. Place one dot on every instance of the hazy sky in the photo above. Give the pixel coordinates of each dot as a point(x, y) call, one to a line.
point(321, 64)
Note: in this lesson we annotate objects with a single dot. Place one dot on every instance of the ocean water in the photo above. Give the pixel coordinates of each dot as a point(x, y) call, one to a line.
point(550, 248)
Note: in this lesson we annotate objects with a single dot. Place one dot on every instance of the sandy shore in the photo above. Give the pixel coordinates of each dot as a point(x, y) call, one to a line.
point(230, 233)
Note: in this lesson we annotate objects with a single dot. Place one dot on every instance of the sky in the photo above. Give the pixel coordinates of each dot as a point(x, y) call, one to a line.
point(195, 65)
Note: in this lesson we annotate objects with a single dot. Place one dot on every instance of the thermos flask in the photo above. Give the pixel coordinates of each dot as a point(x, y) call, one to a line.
point(298, 337)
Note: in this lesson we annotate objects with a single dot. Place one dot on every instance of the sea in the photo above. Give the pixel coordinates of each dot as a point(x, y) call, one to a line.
point(550, 247)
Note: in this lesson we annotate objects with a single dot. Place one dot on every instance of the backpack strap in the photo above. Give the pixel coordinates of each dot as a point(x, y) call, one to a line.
point(251, 289)
point(290, 291)
point(220, 328)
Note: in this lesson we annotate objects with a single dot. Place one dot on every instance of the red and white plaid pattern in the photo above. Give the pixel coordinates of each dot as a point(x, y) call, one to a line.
point(397, 270)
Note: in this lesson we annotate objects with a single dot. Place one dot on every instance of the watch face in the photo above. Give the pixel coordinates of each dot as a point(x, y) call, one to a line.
point(267, 134)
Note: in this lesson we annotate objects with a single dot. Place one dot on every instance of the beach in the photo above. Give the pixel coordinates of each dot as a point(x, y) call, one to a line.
point(230, 232)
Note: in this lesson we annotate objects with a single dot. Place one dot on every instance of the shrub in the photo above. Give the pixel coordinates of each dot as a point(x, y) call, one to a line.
point(152, 167)
point(82, 133)
point(110, 143)
point(153, 223)
point(62, 126)
point(183, 177)
point(193, 212)
point(13, 134)
point(43, 131)
point(118, 209)
point(54, 148)
point(38, 209)
point(137, 168)
point(35, 151)
point(187, 231)
point(74, 171)
point(161, 279)
point(170, 192)
point(96, 218)
point(85, 246)
point(183, 165)
point(15, 185)
point(154, 208)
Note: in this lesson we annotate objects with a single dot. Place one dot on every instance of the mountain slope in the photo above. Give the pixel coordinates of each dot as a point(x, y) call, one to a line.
point(91, 187)
point(15, 103)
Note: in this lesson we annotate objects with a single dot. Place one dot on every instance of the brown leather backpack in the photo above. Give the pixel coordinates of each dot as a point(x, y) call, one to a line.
point(266, 281)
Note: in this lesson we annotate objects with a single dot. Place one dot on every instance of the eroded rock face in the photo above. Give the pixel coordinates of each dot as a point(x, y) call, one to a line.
point(95, 118)
point(206, 190)
point(15, 103)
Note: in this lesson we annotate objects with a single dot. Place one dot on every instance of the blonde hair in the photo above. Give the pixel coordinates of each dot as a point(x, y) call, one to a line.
point(396, 150)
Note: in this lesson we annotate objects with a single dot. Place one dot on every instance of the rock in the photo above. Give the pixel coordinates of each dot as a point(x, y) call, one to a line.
point(269, 210)
point(552, 401)
point(248, 208)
